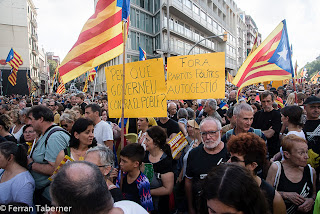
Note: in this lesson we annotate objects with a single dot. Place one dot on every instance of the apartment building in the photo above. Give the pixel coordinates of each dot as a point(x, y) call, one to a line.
point(252, 33)
point(18, 28)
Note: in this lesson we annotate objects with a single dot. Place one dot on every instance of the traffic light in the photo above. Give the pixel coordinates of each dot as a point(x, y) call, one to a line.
point(225, 36)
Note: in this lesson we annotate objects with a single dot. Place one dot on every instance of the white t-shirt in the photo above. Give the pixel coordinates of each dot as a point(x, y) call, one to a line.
point(299, 134)
point(130, 207)
point(103, 132)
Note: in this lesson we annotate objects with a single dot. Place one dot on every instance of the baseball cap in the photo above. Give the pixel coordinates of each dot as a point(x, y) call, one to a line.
point(311, 100)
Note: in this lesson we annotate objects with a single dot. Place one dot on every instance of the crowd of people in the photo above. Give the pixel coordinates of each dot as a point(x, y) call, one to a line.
point(253, 152)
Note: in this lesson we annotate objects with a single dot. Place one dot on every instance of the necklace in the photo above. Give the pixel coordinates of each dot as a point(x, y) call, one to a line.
point(80, 154)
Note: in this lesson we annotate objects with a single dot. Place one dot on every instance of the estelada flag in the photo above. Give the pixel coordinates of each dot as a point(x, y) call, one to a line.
point(92, 74)
point(99, 41)
point(269, 62)
point(14, 60)
point(177, 144)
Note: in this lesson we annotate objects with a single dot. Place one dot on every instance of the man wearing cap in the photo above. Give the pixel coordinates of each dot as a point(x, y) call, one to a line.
point(312, 131)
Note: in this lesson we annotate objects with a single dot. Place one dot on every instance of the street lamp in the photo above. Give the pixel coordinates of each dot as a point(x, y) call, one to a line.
point(225, 36)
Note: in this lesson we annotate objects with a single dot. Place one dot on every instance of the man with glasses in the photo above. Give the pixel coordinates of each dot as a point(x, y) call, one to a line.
point(252, 96)
point(210, 153)
point(312, 131)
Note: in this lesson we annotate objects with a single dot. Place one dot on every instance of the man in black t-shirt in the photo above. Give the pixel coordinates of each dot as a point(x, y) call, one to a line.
point(169, 125)
point(201, 159)
point(312, 131)
point(269, 121)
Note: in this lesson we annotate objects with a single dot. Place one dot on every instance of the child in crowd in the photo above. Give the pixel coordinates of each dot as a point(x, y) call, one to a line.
point(133, 183)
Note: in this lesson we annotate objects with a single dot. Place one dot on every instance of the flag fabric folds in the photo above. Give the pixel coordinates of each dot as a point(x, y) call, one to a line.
point(57, 83)
point(256, 43)
point(229, 77)
point(14, 60)
point(32, 86)
point(269, 62)
point(142, 54)
point(85, 88)
point(99, 41)
point(92, 74)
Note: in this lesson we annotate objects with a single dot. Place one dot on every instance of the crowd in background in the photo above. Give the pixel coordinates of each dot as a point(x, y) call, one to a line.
point(252, 152)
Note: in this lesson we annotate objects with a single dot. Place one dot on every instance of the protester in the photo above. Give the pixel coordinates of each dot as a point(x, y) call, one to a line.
point(143, 125)
point(291, 117)
point(81, 140)
point(230, 188)
point(172, 111)
point(81, 186)
point(210, 108)
point(16, 183)
point(16, 130)
point(133, 183)
point(53, 106)
point(103, 157)
point(249, 150)
point(201, 159)
point(5, 125)
point(102, 130)
point(269, 121)
point(80, 101)
point(67, 119)
point(29, 137)
point(42, 158)
point(182, 116)
point(158, 160)
point(293, 178)
point(171, 126)
point(78, 111)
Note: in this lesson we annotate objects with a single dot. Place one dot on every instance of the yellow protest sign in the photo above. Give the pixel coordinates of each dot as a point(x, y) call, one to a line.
point(145, 89)
point(199, 76)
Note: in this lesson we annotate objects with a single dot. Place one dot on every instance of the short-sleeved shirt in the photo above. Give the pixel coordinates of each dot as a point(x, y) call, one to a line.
point(20, 188)
point(138, 191)
point(170, 126)
point(231, 132)
point(130, 207)
point(43, 154)
point(103, 132)
point(200, 163)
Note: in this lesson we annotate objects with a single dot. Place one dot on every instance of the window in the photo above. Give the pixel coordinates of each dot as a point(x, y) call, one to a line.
point(171, 23)
point(149, 24)
point(138, 19)
point(196, 10)
point(156, 5)
point(133, 40)
point(142, 21)
point(196, 36)
point(181, 27)
point(203, 15)
point(188, 4)
point(188, 31)
point(157, 22)
point(142, 3)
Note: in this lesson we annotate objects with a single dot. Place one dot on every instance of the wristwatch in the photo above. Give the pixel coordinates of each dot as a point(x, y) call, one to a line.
point(29, 167)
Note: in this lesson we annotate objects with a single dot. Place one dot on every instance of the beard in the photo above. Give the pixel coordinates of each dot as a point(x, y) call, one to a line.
point(211, 144)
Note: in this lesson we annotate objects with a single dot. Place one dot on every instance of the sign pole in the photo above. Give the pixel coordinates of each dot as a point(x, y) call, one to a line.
point(123, 82)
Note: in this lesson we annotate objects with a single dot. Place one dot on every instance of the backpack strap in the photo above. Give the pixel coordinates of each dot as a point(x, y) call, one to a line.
point(277, 178)
point(311, 173)
point(67, 151)
point(53, 130)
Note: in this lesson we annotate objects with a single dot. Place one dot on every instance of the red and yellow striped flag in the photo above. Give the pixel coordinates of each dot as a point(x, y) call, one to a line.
point(92, 74)
point(13, 77)
point(229, 77)
point(271, 61)
point(99, 41)
point(85, 88)
point(177, 144)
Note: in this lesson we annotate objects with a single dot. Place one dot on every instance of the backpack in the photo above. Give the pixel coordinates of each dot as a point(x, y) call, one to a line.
point(277, 178)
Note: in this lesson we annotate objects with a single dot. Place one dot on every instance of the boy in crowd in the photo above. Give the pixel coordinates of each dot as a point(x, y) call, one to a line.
point(133, 183)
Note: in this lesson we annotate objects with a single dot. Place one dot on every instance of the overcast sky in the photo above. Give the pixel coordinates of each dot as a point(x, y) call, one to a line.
point(60, 22)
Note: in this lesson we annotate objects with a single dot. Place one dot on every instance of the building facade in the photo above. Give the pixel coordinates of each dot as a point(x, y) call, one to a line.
point(18, 27)
point(252, 33)
point(189, 22)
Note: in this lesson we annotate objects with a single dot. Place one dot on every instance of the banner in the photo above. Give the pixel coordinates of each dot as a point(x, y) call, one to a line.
point(177, 144)
point(145, 89)
point(65, 160)
point(199, 76)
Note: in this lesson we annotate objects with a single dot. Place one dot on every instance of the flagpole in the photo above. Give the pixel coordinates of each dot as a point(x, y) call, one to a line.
point(123, 82)
point(294, 88)
point(94, 86)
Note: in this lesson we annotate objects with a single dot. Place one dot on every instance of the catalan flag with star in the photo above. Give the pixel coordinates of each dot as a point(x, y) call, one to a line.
point(100, 40)
point(271, 61)
point(14, 60)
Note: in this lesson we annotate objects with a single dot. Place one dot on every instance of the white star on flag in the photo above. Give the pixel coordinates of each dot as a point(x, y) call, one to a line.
point(283, 53)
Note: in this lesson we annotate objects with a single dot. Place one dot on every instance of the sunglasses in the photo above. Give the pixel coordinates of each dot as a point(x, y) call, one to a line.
point(235, 159)
point(64, 125)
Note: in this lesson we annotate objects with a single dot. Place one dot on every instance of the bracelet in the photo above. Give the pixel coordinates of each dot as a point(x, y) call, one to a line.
point(29, 167)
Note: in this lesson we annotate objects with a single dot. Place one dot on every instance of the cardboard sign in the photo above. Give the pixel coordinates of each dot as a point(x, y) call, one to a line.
point(199, 76)
point(145, 89)
point(177, 144)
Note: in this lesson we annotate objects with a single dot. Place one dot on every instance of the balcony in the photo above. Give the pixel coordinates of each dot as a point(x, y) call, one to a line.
point(34, 36)
point(35, 65)
point(34, 23)
point(35, 50)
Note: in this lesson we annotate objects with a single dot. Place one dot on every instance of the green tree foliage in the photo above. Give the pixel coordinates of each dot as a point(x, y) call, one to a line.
point(312, 67)
point(52, 67)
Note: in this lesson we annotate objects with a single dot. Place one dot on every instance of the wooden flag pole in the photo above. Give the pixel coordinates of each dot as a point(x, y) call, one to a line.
point(124, 33)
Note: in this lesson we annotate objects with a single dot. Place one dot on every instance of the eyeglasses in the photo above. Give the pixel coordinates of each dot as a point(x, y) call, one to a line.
point(210, 133)
point(103, 166)
point(64, 125)
point(252, 95)
point(235, 159)
point(51, 105)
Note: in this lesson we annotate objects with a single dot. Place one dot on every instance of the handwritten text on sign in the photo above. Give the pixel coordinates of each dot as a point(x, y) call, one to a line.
point(144, 89)
point(199, 76)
